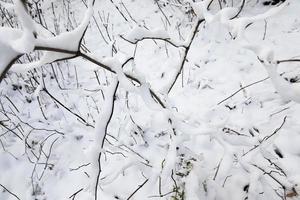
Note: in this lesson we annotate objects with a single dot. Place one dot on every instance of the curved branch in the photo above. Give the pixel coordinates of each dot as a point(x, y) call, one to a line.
point(186, 51)
point(152, 38)
point(240, 10)
point(2, 75)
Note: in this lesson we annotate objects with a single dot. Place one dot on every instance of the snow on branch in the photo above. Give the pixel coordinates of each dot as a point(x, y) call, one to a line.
point(26, 42)
point(19, 42)
point(287, 91)
point(265, 55)
point(138, 34)
point(239, 25)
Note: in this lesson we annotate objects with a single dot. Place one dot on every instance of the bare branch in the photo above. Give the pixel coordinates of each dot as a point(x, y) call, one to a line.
point(186, 51)
point(9, 192)
point(139, 187)
point(242, 88)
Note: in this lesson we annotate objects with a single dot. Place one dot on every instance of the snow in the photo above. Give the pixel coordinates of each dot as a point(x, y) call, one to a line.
point(7, 52)
point(116, 66)
point(8, 6)
point(68, 40)
point(25, 43)
point(286, 90)
point(138, 33)
point(6, 55)
point(201, 10)
point(47, 58)
point(228, 130)
point(238, 25)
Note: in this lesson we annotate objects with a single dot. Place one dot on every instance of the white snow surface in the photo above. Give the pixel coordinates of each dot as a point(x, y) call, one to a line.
point(228, 129)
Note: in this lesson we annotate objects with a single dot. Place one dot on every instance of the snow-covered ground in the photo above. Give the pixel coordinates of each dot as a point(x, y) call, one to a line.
point(159, 100)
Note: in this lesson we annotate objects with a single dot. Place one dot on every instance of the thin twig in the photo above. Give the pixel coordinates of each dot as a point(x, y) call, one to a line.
point(186, 51)
point(139, 187)
point(242, 88)
point(287, 60)
point(10, 192)
point(267, 137)
point(103, 139)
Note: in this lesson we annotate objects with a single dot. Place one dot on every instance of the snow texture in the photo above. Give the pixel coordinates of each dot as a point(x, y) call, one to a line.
point(106, 124)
